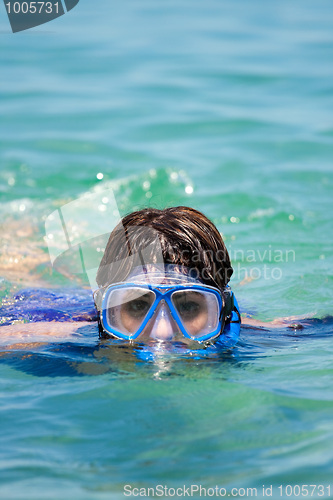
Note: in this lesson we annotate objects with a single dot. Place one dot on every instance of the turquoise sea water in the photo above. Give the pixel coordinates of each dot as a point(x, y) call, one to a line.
point(223, 106)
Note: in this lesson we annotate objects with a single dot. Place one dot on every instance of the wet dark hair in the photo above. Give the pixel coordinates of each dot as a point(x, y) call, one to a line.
point(183, 236)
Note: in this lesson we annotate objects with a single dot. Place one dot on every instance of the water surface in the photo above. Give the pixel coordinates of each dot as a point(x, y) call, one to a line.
point(226, 107)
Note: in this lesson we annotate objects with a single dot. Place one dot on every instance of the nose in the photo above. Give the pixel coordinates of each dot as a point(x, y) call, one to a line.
point(162, 328)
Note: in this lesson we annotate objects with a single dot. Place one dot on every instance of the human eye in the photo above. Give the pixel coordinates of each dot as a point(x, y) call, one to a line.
point(137, 307)
point(189, 306)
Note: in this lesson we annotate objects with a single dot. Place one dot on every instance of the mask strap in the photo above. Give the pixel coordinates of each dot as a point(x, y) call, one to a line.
point(229, 304)
point(98, 296)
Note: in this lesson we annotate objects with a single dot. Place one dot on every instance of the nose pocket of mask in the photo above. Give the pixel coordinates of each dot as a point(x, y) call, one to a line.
point(25, 14)
point(162, 328)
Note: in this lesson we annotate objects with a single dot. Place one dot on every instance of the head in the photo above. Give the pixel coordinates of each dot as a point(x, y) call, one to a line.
point(181, 240)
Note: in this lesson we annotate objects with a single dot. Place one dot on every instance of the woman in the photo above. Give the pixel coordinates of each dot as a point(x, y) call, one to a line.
point(164, 277)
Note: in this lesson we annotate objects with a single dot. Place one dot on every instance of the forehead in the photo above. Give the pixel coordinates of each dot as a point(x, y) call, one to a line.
point(169, 274)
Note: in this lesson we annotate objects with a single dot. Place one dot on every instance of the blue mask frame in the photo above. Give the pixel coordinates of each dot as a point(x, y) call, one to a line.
point(163, 292)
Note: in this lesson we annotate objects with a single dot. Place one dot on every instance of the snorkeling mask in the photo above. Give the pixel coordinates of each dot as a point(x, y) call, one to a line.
point(164, 303)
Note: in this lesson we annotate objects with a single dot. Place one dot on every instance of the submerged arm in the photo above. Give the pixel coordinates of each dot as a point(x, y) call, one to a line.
point(287, 322)
point(43, 331)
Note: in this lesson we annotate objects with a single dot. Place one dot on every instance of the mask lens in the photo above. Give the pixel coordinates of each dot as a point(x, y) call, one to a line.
point(198, 311)
point(127, 308)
